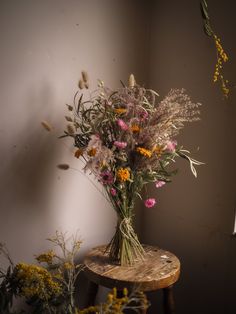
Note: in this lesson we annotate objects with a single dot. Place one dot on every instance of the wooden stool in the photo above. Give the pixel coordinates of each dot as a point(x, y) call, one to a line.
point(159, 270)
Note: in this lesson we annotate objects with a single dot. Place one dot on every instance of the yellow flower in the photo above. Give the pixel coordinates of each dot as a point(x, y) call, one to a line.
point(92, 152)
point(143, 151)
point(120, 110)
point(221, 57)
point(123, 174)
point(125, 292)
point(68, 265)
point(45, 257)
point(36, 281)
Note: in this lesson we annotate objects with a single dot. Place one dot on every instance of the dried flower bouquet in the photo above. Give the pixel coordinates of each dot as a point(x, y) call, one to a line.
point(127, 139)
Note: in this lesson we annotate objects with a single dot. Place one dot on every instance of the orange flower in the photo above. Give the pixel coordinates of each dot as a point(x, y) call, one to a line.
point(78, 153)
point(135, 128)
point(145, 152)
point(92, 152)
point(123, 174)
point(120, 110)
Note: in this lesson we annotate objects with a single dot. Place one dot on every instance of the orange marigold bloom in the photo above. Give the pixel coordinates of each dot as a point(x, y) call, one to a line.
point(123, 174)
point(143, 151)
point(92, 152)
point(120, 110)
point(135, 128)
point(78, 153)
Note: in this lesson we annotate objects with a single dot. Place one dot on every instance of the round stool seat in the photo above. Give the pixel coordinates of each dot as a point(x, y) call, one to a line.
point(158, 270)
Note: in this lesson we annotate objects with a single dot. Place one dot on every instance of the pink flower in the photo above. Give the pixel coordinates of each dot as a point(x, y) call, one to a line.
point(120, 144)
point(171, 145)
point(107, 177)
point(113, 191)
point(159, 184)
point(122, 124)
point(150, 202)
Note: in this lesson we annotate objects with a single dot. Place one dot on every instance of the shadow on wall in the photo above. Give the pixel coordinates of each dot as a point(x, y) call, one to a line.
point(28, 162)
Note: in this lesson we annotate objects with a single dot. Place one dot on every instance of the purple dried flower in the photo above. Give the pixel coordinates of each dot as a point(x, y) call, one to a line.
point(113, 191)
point(107, 177)
point(171, 145)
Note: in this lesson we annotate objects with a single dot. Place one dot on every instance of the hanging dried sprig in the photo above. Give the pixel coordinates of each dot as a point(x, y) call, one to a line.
point(221, 56)
point(46, 126)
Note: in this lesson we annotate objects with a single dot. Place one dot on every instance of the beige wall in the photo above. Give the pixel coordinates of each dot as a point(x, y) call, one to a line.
point(44, 46)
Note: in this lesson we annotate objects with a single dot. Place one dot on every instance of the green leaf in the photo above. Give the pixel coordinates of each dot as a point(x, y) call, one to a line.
point(204, 11)
point(207, 28)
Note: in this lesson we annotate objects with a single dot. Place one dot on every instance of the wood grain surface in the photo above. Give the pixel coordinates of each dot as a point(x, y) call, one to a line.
point(159, 269)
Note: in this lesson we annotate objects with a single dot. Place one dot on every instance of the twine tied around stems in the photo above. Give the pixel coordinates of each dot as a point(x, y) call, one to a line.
point(126, 227)
point(125, 246)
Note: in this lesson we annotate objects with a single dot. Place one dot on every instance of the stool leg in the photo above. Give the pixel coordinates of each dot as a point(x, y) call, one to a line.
point(168, 300)
point(92, 292)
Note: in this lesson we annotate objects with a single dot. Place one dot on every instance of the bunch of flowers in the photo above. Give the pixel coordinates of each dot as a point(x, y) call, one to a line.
point(127, 139)
point(49, 288)
point(136, 301)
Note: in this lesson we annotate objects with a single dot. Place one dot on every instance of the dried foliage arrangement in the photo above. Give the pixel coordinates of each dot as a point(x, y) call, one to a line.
point(126, 139)
point(49, 285)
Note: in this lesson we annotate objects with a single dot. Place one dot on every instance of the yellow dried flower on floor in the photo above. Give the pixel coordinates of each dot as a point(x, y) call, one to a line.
point(68, 265)
point(36, 281)
point(123, 174)
point(46, 257)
